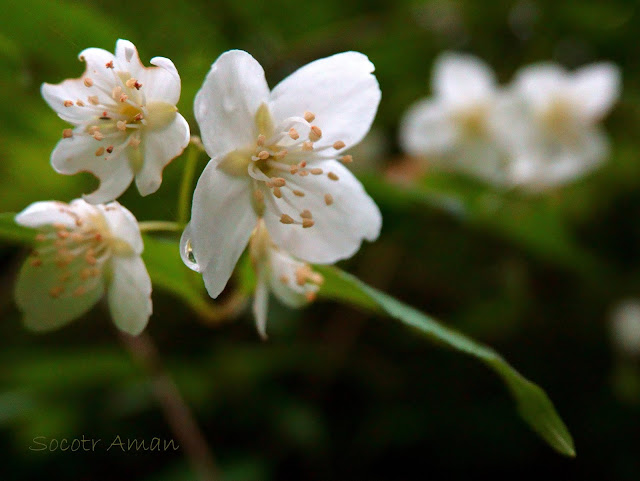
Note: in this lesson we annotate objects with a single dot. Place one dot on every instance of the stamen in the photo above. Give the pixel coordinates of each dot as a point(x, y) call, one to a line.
point(281, 154)
point(315, 134)
point(278, 182)
point(346, 159)
point(68, 103)
point(79, 103)
point(93, 99)
point(309, 116)
point(293, 133)
point(307, 146)
point(339, 145)
point(284, 279)
point(261, 140)
point(310, 296)
point(131, 83)
point(36, 262)
point(316, 171)
point(333, 176)
point(100, 151)
point(80, 291)
point(88, 82)
point(109, 64)
point(306, 214)
point(285, 219)
point(138, 117)
point(298, 193)
point(263, 155)
point(110, 149)
point(134, 142)
point(67, 133)
point(328, 199)
point(124, 98)
point(277, 192)
point(55, 292)
point(121, 125)
point(98, 135)
point(116, 92)
point(306, 223)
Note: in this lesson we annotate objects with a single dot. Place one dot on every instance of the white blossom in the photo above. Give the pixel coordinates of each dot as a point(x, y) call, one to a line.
point(83, 250)
point(279, 155)
point(125, 121)
point(625, 327)
point(293, 282)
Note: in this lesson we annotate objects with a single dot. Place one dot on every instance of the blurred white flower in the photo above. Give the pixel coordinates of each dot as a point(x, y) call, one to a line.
point(293, 282)
point(271, 160)
point(81, 250)
point(625, 327)
point(456, 128)
point(551, 122)
point(125, 118)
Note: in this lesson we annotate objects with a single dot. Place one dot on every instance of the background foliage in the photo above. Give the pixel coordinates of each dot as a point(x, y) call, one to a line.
point(335, 393)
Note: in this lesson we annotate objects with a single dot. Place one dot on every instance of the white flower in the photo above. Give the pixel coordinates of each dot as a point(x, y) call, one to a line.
point(456, 128)
point(274, 155)
point(293, 282)
point(81, 250)
point(625, 327)
point(125, 117)
point(552, 122)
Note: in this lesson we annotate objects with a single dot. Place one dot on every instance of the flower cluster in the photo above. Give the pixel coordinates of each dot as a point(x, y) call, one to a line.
point(540, 131)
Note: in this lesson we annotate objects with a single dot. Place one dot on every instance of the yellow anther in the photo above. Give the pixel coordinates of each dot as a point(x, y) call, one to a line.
point(98, 135)
point(346, 159)
point(298, 193)
point(315, 134)
point(93, 99)
point(316, 171)
point(339, 145)
point(263, 154)
point(293, 133)
point(281, 154)
point(306, 223)
point(55, 292)
point(67, 133)
point(333, 176)
point(131, 83)
point(328, 199)
point(277, 192)
point(285, 219)
point(88, 82)
point(278, 182)
point(124, 97)
point(68, 103)
point(309, 116)
point(261, 140)
point(307, 146)
point(80, 291)
point(79, 103)
point(100, 151)
point(134, 142)
point(306, 214)
point(284, 279)
point(121, 125)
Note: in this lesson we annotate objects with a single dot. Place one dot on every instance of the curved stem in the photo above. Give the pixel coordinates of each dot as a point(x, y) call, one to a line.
point(160, 225)
point(175, 410)
point(185, 194)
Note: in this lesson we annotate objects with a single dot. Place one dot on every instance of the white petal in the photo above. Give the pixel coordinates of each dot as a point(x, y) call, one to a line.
point(427, 129)
point(69, 90)
point(160, 148)
point(127, 56)
point(77, 154)
point(261, 305)
point(339, 228)
point(597, 88)
point(283, 268)
point(541, 84)
point(222, 219)
point(45, 213)
point(227, 102)
point(43, 312)
point(462, 79)
point(340, 90)
point(160, 83)
point(129, 294)
point(123, 225)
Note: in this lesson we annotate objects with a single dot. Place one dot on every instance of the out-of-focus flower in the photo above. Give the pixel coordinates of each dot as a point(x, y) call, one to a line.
point(293, 282)
point(551, 122)
point(456, 128)
point(625, 327)
point(279, 156)
point(126, 121)
point(81, 250)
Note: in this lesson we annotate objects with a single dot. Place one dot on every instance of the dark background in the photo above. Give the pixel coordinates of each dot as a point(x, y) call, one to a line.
point(336, 394)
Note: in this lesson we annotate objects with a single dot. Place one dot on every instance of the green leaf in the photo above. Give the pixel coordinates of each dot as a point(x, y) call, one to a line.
point(12, 232)
point(533, 404)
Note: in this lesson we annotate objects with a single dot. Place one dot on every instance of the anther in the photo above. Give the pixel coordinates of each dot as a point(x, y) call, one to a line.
point(284, 279)
point(100, 151)
point(339, 145)
point(109, 64)
point(62, 234)
point(98, 135)
point(309, 116)
point(134, 142)
point(315, 134)
point(310, 296)
point(88, 82)
point(110, 149)
point(68, 103)
point(116, 92)
point(293, 133)
point(277, 192)
point(307, 146)
point(85, 273)
point(278, 182)
point(261, 140)
point(67, 133)
point(263, 155)
point(80, 291)
point(90, 258)
point(306, 214)
point(346, 159)
point(121, 125)
point(316, 171)
point(328, 199)
point(93, 99)
point(281, 154)
point(79, 103)
point(123, 98)
point(55, 292)
point(285, 219)
point(298, 193)
point(93, 129)
point(303, 173)
point(302, 164)
point(41, 238)
point(138, 117)
point(301, 275)
point(333, 176)
point(131, 83)
point(293, 169)
point(36, 262)
point(306, 223)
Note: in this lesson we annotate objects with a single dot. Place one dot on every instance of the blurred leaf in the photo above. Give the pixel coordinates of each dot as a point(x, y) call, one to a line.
point(533, 404)
point(12, 232)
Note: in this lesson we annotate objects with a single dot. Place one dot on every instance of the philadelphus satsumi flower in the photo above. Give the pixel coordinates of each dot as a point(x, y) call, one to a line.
point(278, 155)
point(552, 122)
point(293, 282)
point(126, 121)
point(457, 127)
point(81, 250)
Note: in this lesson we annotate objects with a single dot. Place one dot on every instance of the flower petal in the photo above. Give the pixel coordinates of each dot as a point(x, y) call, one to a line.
point(597, 88)
point(427, 129)
point(45, 213)
point(540, 84)
point(283, 279)
point(162, 82)
point(160, 148)
point(339, 90)
point(129, 294)
point(78, 154)
point(70, 90)
point(339, 228)
point(43, 312)
point(222, 219)
point(227, 102)
point(123, 225)
point(462, 79)
point(261, 304)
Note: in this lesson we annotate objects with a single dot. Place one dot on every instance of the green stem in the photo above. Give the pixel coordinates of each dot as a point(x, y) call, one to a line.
point(160, 225)
point(184, 197)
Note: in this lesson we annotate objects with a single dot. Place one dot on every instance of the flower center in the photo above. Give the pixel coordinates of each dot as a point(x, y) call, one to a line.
point(77, 252)
point(281, 156)
point(119, 111)
point(472, 121)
